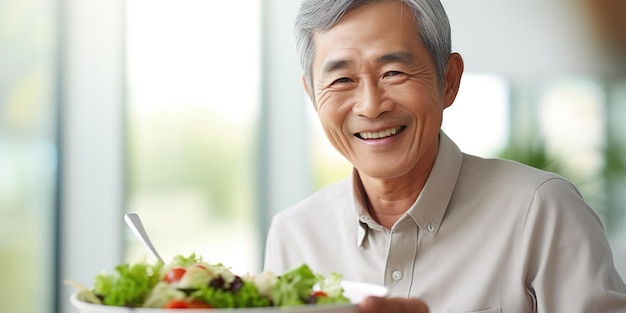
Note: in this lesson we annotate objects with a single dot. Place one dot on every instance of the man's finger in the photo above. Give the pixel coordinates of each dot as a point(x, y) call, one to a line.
point(392, 305)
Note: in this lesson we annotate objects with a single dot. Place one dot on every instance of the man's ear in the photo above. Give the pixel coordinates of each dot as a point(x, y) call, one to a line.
point(308, 92)
point(454, 71)
point(306, 87)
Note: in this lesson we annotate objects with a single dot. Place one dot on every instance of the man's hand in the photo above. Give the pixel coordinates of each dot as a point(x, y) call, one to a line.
point(392, 305)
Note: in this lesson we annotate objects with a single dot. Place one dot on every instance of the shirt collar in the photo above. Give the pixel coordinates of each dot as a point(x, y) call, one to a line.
point(429, 209)
point(363, 217)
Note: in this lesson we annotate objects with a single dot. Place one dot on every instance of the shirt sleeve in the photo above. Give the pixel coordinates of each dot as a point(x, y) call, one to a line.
point(569, 265)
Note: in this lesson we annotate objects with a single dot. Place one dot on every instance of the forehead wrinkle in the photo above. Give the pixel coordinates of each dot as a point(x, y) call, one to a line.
point(402, 57)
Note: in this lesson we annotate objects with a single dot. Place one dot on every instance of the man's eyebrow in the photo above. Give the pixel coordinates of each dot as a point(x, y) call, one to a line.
point(334, 65)
point(403, 57)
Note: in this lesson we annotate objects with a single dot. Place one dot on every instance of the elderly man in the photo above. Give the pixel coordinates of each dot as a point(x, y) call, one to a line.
point(440, 228)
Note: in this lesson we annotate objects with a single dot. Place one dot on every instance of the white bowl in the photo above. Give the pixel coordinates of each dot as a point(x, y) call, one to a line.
point(355, 291)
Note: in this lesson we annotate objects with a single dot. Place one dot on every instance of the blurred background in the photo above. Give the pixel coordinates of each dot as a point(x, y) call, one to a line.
point(191, 113)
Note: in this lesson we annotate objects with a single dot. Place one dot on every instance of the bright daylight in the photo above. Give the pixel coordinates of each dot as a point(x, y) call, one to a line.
point(192, 154)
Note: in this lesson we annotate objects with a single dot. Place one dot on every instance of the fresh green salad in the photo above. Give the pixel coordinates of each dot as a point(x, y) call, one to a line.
point(190, 282)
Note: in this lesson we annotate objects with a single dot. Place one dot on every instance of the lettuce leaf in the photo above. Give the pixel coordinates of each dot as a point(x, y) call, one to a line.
point(128, 285)
point(294, 287)
point(246, 296)
point(331, 286)
point(183, 261)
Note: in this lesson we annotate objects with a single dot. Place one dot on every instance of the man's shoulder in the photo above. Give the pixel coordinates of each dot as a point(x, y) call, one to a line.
point(504, 171)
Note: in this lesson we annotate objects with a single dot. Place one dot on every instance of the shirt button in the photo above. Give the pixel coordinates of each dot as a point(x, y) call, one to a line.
point(430, 228)
point(396, 275)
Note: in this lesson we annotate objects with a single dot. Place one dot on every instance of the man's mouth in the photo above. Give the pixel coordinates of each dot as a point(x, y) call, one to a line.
point(381, 134)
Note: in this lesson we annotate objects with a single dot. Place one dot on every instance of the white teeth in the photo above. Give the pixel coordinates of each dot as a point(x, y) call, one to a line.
point(380, 134)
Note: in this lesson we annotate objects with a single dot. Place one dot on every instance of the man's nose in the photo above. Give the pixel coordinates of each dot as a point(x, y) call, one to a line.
point(372, 101)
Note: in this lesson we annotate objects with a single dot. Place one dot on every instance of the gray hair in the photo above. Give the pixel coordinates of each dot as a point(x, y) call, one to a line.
point(321, 15)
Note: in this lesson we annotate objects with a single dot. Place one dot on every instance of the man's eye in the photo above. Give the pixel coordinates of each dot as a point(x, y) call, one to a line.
point(392, 73)
point(342, 80)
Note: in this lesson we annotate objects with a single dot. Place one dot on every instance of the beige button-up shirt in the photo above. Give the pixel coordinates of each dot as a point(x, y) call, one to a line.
point(483, 236)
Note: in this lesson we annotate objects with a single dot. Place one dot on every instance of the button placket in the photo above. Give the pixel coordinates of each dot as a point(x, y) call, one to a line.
point(401, 258)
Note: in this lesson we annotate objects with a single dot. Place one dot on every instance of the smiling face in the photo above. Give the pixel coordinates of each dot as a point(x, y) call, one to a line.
point(377, 92)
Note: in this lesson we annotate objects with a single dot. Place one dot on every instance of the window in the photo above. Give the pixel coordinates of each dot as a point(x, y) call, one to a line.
point(478, 120)
point(28, 155)
point(328, 165)
point(192, 109)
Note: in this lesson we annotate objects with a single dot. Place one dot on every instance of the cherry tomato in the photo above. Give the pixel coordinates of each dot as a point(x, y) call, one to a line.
point(182, 304)
point(198, 304)
point(319, 294)
point(174, 275)
point(176, 304)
